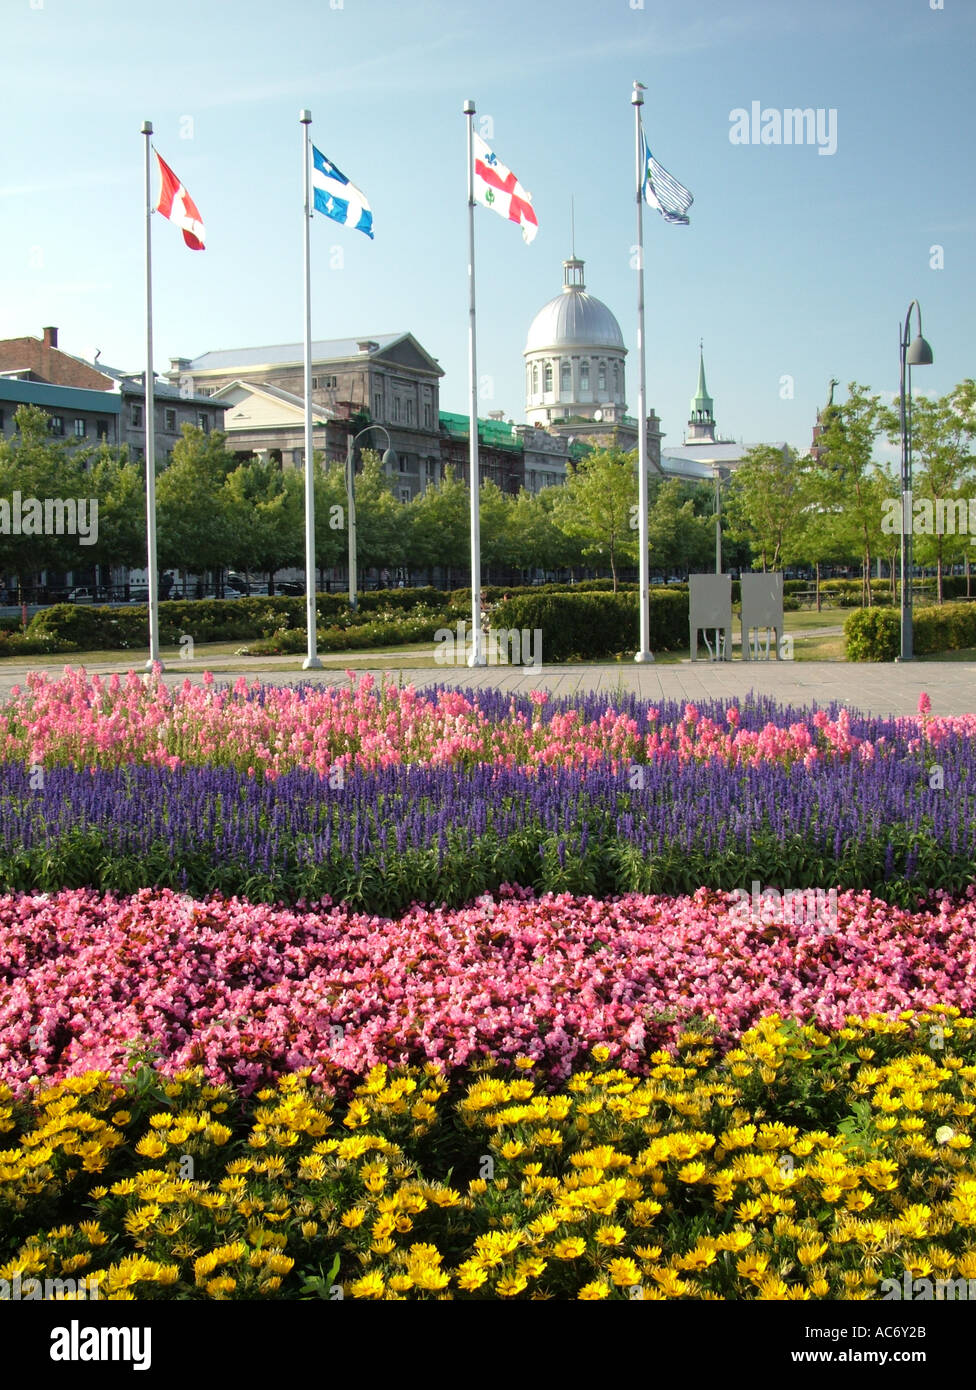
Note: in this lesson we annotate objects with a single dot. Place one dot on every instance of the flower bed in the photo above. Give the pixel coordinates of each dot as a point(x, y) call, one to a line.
point(251, 992)
point(82, 721)
point(382, 839)
point(803, 1165)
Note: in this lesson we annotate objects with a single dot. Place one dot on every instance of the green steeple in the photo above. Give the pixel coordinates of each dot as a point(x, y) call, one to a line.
point(702, 403)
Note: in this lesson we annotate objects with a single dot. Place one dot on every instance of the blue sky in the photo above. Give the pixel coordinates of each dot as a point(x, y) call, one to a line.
point(796, 264)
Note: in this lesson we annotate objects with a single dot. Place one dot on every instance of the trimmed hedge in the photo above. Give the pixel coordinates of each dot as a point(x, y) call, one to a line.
point(874, 634)
point(591, 626)
point(360, 637)
point(214, 620)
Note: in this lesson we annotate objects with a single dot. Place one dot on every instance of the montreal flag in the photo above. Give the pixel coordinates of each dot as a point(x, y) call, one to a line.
point(175, 203)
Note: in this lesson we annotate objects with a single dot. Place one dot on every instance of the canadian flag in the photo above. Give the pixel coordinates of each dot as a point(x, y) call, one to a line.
point(175, 203)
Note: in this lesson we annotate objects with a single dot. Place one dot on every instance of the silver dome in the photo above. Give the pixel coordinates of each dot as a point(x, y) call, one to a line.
point(574, 319)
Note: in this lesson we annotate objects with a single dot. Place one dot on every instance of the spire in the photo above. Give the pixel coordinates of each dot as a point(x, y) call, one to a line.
point(702, 403)
point(702, 422)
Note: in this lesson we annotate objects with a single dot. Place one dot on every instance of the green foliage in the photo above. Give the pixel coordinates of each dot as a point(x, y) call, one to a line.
point(592, 626)
point(872, 634)
point(596, 507)
point(875, 634)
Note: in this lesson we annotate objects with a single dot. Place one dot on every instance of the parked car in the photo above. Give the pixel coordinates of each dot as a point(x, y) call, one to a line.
point(82, 595)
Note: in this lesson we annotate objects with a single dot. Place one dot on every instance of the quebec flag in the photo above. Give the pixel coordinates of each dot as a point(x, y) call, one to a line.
point(338, 198)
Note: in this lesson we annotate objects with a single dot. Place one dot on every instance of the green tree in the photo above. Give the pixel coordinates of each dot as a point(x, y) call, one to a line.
point(331, 539)
point(679, 537)
point(381, 521)
point(440, 526)
point(39, 468)
point(852, 486)
point(597, 508)
point(495, 512)
point(942, 473)
point(762, 504)
point(195, 524)
point(265, 508)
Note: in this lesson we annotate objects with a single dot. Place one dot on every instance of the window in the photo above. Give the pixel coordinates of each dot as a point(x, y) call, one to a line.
point(584, 376)
point(601, 376)
point(404, 465)
point(56, 424)
point(547, 383)
point(616, 378)
point(378, 405)
point(137, 415)
point(404, 494)
point(203, 420)
point(315, 383)
point(81, 429)
point(409, 412)
point(169, 416)
point(396, 408)
point(101, 429)
point(428, 416)
point(140, 456)
point(566, 379)
point(535, 378)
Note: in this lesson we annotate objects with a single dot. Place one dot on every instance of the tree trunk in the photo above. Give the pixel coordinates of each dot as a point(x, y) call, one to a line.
point(817, 568)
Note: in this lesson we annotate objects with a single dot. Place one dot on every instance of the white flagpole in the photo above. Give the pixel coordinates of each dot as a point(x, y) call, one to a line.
point(152, 585)
point(477, 655)
point(311, 662)
point(644, 653)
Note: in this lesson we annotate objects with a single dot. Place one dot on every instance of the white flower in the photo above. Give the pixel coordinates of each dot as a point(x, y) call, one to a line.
point(944, 1134)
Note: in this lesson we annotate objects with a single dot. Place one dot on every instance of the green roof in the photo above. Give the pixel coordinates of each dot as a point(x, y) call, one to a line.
point(496, 432)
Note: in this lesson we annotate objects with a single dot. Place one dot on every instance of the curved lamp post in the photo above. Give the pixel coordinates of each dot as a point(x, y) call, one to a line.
point(914, 354)
point(389, 458)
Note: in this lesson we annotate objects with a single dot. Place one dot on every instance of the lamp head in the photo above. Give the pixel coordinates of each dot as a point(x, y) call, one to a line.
point(919, 353)
point(390, 459)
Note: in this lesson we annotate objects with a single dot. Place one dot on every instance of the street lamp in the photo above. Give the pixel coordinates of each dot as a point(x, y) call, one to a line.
point(389, 459)
point(914, 354)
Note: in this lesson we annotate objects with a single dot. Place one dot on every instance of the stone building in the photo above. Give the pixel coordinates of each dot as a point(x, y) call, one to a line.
point(388, 380)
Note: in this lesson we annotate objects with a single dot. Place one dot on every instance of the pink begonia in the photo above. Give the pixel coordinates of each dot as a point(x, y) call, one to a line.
point(245, 989)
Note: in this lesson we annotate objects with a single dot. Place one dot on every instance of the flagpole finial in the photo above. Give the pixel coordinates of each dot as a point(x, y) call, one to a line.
point(305, 116)
point(636, 98)
point(469, 107)
point(146, 128)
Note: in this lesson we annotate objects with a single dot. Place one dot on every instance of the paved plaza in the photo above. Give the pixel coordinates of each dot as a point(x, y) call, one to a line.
point(872, 688)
